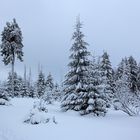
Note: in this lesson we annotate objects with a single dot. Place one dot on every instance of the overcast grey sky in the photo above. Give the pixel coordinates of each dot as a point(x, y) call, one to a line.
point(47, 26)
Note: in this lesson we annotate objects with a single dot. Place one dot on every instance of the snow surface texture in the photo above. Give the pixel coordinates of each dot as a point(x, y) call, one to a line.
point(8, 135)
point(71, 126)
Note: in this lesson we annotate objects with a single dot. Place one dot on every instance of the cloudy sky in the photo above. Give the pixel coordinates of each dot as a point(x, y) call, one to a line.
point(47, 26)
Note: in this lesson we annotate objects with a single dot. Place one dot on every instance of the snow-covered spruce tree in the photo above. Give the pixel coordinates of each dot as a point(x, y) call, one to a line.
point(4, 99)
point(107, 78)
point(56, 93)
point(17, 85)
point(31, 90)
point(11, 47)
point(41, 85)
point(119, 71)
point(48, 96)
point(133, 71)
point(95, 99)
point(138, 78)
point(25, 90)
point(76, 82)
point(124, 99)
point(49, 82)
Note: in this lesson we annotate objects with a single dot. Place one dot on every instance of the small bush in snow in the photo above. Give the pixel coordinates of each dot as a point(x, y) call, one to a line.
point(36, 117)
point(38, 114)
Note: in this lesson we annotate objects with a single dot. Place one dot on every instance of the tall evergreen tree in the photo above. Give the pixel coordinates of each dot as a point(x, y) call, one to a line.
point(76, 83)
point(120, 69)
point(49, 82)
point(132, 66)
point(11, 47)
point(48, 96)
point(107, 77)
point(131, 71)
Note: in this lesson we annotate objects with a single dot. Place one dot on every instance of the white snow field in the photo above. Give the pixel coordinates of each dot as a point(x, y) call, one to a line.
point(71, 126)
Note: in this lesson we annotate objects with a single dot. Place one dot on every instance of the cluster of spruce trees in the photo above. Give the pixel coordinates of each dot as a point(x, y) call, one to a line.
point(92, 85)
point(23, 87)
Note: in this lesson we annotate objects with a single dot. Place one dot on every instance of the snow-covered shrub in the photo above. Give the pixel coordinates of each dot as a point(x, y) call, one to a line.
point(38, 114)
point(128, 103)
point(125, 99)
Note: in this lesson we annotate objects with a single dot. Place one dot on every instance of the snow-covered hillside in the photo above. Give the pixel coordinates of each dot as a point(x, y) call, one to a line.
point(71, 126)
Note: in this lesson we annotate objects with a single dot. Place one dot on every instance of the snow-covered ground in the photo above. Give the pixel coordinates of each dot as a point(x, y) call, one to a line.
point(115, 126)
